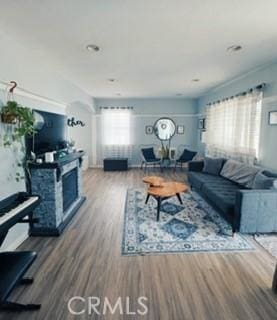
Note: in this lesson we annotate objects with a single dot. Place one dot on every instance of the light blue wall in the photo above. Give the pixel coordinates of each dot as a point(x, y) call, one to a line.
point(81, 135)
point(146, 112)
point(32, 74)
point(268, 75)
point(152, 105)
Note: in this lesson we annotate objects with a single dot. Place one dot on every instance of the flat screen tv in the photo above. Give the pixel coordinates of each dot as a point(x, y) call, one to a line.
point(51, 133)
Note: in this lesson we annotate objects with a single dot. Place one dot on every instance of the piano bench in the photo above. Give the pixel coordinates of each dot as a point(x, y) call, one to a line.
point(13, 266)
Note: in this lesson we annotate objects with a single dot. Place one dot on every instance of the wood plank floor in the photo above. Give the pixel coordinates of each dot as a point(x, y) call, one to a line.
point(86, 261)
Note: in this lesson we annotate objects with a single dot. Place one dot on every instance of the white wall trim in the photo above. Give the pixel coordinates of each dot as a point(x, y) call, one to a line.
point(269, 100)
point(26, 93)
point(176, 115)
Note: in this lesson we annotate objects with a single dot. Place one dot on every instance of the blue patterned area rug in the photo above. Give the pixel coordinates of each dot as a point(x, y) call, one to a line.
point(192, 227)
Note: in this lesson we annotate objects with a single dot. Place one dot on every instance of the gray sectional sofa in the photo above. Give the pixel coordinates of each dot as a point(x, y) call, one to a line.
point(247, 210)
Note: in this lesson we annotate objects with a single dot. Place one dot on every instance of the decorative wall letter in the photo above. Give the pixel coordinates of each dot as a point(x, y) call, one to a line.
point(71, 122)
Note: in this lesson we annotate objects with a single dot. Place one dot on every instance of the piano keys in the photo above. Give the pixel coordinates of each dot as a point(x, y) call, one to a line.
point(14, 209)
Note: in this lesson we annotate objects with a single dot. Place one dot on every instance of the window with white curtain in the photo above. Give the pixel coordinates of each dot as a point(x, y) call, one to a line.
point(116, 133)
point(116, 127)
point(233, 127)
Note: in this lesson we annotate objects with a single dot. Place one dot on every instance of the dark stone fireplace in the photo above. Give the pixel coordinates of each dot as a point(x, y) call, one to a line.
point(59, 185)
point(70, 188)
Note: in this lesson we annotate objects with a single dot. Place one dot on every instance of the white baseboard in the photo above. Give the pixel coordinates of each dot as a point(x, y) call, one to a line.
point(100, 166)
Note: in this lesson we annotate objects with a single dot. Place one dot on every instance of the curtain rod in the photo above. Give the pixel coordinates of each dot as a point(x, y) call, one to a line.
point(112, 108)
point(258, 87)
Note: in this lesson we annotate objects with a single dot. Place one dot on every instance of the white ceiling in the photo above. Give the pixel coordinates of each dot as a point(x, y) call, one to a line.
point(152, 47)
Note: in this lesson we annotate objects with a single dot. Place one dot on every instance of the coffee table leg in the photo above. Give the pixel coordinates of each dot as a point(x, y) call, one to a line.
point(274, 282)
point(147, 198)
point(179, 198)
point(159, 200)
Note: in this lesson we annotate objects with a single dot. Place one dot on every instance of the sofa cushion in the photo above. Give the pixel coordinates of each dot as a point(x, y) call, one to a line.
point(196, 166)
point(213, 165)
point(198, 179)
point(262, 182)
point(239, 172)
point(222, 195)
point(269, 174)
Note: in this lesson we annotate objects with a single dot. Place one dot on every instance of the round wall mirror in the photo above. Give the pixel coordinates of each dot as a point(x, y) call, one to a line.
point(39, 121)
point(164, 128)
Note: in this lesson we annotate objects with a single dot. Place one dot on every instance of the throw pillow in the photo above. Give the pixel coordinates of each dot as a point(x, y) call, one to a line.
point(148, 153)
point(239, 172)
point(213, 165)
point(187, 155)
point(198, 157)
point(263, 182)
point(270, 174)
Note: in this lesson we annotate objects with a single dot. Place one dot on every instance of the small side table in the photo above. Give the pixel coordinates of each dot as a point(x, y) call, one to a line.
point(166, 163)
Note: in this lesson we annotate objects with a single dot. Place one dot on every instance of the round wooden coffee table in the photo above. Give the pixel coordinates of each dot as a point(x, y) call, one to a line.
point(154, 181)
point(165, 190)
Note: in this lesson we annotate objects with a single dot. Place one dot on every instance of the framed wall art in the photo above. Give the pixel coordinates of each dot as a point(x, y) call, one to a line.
point(180, 129)
point(272, 118)
point(149, 129)
point(202, 124)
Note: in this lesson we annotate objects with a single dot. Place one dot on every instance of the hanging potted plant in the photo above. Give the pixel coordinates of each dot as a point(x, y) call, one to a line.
point(9, 112)
point(13, 113)
point(25, 121)
point(23, 124)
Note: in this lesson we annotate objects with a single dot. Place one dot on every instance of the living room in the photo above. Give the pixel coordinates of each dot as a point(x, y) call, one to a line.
point(138, 160)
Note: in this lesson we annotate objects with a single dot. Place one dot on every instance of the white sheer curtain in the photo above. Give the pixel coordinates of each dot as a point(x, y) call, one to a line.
point(117, 133)
point(233, 127)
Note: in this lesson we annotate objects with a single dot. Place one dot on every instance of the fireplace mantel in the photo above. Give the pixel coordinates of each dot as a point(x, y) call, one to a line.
point(60, 162)
point(47, 182)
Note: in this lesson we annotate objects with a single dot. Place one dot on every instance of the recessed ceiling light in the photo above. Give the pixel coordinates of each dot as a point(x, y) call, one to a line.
point(195, 80)
point(234, 48)
point(92, 47)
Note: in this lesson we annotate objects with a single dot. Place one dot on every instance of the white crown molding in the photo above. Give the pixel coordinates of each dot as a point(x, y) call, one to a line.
point(270, 100)
point(233, 80)
point(28, 94)
point(177, 115)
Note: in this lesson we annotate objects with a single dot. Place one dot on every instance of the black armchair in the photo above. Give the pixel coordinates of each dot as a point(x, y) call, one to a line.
point(185, 157)
point(149, 158)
